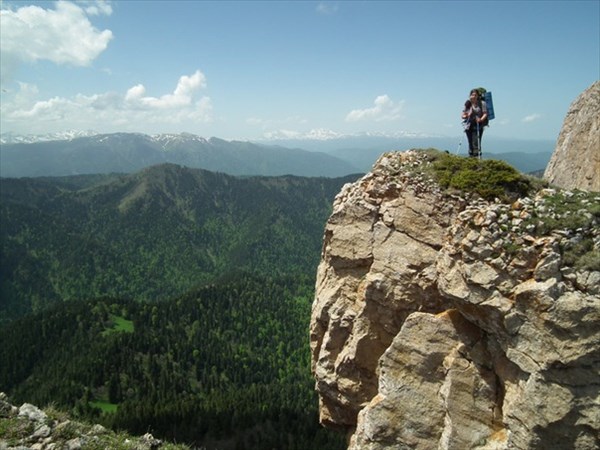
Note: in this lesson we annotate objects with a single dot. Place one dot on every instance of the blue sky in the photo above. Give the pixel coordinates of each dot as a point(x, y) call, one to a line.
point(253, 70)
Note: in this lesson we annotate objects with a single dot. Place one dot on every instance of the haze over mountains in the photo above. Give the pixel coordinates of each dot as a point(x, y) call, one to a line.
point(74, 153)
point(362, 150)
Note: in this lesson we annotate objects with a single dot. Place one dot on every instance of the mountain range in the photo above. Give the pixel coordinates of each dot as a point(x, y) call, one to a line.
point(130, 152)
point(332, 156)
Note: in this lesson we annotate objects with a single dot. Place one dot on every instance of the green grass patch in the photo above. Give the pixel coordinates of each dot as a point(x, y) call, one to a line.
point(119, 324)
point(487, 178)
point(14, 429)
point(106, 407)
point(122, 324)
point(589, 261)
point(568, 211)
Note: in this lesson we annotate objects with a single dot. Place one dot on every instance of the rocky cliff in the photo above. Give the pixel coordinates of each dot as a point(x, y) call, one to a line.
point(445, 321)
point(575, 163)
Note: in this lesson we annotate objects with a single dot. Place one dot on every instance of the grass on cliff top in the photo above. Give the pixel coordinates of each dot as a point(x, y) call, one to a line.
point(490, 179)
point(487, 178)
point(572, 210)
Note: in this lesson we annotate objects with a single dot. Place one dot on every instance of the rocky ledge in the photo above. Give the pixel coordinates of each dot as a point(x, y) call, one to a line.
point(29, 428)
point(443, 320)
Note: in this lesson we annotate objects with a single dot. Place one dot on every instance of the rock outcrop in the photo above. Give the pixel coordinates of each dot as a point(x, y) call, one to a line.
point(575, 163)
point(29, 428)
point(443, 321)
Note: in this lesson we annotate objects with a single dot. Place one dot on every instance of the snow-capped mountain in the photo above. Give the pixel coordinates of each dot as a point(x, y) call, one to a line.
point(130, 152)
point(11, 138)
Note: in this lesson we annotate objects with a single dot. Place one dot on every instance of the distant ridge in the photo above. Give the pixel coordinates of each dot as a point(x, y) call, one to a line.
point(130, 152)
point(362, 150)
point(320, 153)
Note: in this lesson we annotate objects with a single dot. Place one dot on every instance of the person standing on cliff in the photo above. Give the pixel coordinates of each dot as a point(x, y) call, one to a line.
point(474, 117)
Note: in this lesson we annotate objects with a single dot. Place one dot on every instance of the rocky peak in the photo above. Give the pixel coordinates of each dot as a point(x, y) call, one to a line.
point(443, 320)
point(575, 163)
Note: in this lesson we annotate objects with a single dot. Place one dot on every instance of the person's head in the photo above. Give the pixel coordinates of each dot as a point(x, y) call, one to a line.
point(474, 95)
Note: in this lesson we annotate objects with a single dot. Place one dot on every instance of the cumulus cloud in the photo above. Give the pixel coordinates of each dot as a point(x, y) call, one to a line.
point(384, 109)
point(181, 97)
point(63, 35)
point(532, 117)
point(131, 110)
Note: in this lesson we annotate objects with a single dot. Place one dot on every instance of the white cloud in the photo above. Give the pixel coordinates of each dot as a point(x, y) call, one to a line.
point(532, 117)
point(132, 110)
point(384, 109)
point(282, 134)
point(97, 7)
point(317, 134)
point(181, 97)
point(63, 35)
point(327, 8)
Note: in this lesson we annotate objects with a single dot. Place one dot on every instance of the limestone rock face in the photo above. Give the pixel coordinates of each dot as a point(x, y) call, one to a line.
point(575, 163)
point(440, 321)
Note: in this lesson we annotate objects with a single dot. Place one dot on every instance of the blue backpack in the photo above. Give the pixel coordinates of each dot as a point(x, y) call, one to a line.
point(486, 97)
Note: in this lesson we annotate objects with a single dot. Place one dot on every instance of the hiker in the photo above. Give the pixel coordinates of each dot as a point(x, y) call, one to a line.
point(474, 117)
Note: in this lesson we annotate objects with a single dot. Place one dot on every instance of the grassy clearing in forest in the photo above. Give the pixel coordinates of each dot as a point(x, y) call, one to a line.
point(119, 324)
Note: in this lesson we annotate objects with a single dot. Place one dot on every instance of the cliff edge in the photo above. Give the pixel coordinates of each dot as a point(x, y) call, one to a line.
point(445, 319)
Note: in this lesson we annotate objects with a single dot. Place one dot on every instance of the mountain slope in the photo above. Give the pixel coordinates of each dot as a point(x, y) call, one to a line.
point(153, 234)
point(222, 367)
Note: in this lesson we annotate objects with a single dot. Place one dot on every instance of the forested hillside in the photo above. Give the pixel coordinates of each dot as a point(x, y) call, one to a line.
point(225, 366)
point(174, 300)
point(152, 235)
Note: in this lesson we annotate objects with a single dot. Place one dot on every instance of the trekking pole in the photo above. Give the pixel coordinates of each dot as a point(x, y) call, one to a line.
point(478, 140)
point(462, 136)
